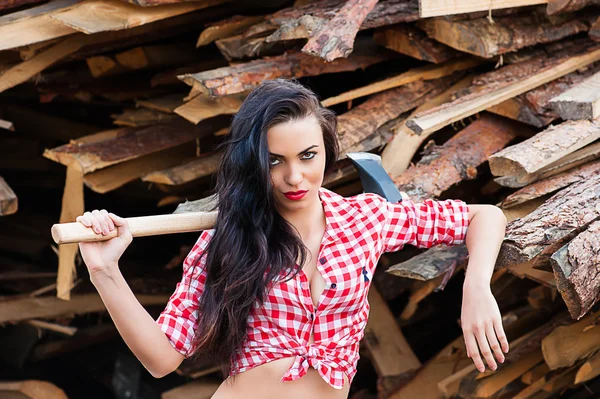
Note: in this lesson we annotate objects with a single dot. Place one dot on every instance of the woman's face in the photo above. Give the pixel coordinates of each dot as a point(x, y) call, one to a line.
point(297, 161)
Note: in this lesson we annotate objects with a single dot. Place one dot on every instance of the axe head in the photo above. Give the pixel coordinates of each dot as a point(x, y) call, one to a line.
point(373, 177)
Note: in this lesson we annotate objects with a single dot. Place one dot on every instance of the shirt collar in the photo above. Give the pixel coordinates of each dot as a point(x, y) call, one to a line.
point(339, 214)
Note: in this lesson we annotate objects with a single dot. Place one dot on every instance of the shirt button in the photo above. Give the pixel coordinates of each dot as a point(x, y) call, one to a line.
point(333, 285)
point(322, 260)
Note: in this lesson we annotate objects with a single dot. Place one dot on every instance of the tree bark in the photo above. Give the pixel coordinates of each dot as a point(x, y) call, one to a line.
point(563, 213)
point(564, 6)
point(443, 166)
point(582, 101)
point(575, 268)
point(484, 39)
point(336, 38)
point(8, 199)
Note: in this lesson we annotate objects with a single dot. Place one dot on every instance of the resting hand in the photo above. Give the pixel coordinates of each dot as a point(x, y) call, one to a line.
point(482, 326)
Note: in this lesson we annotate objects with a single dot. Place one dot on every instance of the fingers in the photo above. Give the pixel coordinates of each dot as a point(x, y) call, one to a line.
point(484, 348)
point(493, 341)
point(98, 220)
point(122, 227)
point(500, 334)
point(473, 351)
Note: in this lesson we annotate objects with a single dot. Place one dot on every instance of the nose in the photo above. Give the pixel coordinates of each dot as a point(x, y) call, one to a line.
point(294, 175)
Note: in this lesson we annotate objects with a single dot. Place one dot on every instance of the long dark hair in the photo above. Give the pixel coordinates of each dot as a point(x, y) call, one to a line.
point(252, 243)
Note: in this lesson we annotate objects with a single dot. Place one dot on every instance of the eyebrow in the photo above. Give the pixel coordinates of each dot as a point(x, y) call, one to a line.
point(300, 153)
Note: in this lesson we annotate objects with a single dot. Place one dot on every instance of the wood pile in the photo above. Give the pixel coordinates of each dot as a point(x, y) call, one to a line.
point(120, 105)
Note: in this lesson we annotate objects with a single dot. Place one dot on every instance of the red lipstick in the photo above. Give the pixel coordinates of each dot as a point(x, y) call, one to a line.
point(295, 195)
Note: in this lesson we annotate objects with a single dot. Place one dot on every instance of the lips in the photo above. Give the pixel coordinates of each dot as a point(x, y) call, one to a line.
point(295, 195)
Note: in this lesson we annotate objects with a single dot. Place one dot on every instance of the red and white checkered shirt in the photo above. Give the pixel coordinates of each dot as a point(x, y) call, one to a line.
point(359, 229)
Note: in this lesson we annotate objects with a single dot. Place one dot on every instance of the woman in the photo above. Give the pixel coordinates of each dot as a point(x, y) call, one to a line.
point(276, 293)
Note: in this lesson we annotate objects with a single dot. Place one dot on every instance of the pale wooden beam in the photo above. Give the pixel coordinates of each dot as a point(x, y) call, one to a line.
point(435, 8)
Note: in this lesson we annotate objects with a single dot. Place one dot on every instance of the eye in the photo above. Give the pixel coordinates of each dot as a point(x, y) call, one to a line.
point(273, 161)
point(310, 153)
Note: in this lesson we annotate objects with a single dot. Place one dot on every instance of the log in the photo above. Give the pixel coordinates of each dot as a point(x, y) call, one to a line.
point(551, 184)
point(575, 268)
point(335, 39)
point(31, 389)
point(114, 146)
point(429, 72)
point(565, 6)
point(456, 160)
point(241, 47)
point(390, 352)
point(555, 67)
point(363, 120)
point(544, 148)
point(589, 369)
point(434, 8)
point(51, 307)
point(226, 28)
point(401, 149)
point(534, 107)
point(581, 101)
point(432, 263)
point(482, 38)
point(9, 203)
point(408, 40)
point(567, 344)
point(563, 213)
point(184, 173)
point(246, 76)
point(142, 117)
point(301, 22)
point(577, 158)
point(110, 178)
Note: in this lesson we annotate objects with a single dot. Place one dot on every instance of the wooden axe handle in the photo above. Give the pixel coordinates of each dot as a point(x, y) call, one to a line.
point(66, 233)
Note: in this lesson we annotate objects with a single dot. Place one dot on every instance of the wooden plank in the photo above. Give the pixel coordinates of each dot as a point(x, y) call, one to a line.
point(31, 389)
point(361, 121)
point(115, 176)
point(575, 268)
point(428, 72)
point(408, 40)
point(72, 206)
point(226, 28)
point(203, 107)
point(482, 38)
point(434, 8)
point(246, 76)
point(437, 118)
point(457, 159)
point(551, 184)
point(399, 152)
point(544, 148)
point(142, 117)
point(389, 350)
point(115, 146)
point(186, 172)
point(431, 264)
point(581, 101)
point(167, 103)
point(335, 39)
point(9, 202)
point(96, 16)
point(51, 307)
point(34, 25)
point(588, 370)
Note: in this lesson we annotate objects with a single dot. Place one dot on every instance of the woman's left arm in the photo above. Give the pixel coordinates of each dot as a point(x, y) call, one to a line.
point(480, 317)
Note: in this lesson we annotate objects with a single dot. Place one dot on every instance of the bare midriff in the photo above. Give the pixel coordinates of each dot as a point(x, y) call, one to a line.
point(264, 381)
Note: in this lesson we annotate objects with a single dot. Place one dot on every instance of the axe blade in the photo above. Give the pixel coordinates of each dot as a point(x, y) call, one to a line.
point(373, 177)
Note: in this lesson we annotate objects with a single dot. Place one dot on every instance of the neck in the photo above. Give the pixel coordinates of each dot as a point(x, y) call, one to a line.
point(308, 220)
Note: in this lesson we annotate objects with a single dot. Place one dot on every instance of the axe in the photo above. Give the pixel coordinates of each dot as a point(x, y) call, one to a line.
point(372, 175)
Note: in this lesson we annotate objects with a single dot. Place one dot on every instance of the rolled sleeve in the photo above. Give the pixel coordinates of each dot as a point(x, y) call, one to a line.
point(424, 224)
point(179, 318)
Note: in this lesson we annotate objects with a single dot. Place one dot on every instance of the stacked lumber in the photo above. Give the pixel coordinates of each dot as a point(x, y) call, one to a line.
point(121, 105)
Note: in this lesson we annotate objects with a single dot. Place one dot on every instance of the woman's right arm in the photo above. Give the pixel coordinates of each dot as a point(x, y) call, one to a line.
point(139, 330)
